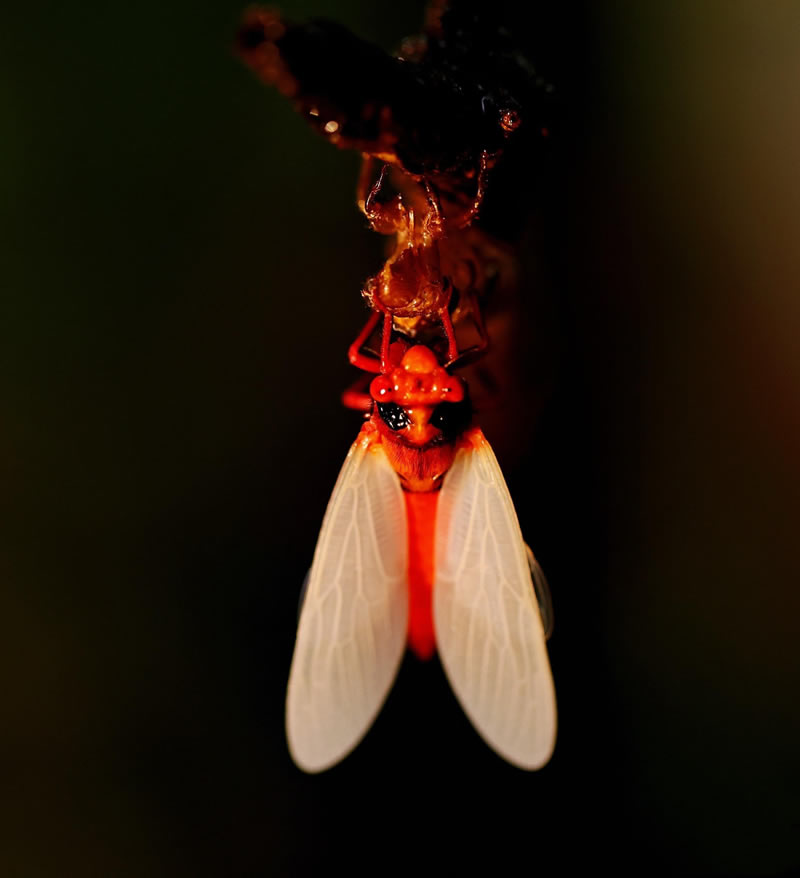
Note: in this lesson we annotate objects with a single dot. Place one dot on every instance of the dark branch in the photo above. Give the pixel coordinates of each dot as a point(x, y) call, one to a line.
point(458, 90)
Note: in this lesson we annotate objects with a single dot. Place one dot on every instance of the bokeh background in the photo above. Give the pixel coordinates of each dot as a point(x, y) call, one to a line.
point(180, 261)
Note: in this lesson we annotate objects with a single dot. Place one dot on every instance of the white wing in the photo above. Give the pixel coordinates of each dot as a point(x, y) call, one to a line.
point(488, 626)
point(353, 625)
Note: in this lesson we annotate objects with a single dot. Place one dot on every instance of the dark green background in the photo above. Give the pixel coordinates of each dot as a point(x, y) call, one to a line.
point(180, 260)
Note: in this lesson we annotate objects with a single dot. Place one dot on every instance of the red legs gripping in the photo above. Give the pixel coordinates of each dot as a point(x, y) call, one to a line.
point(357, 396)
point(386, 338)
point(363, 361)
point(434, 226)
point(449, 332)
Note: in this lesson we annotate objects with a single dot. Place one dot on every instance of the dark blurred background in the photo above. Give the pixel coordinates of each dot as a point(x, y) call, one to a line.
point(180, 261)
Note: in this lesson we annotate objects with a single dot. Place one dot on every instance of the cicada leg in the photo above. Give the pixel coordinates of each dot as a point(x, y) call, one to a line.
point(365, 361)
point(354, 354)
point(386, 340)
point(450, 335)
point(357, 396)
point(476, 351)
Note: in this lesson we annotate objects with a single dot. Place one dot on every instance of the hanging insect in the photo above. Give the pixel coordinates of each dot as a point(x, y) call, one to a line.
point(420, 545)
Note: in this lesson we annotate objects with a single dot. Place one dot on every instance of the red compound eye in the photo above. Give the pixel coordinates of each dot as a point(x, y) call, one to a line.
point(381, 389)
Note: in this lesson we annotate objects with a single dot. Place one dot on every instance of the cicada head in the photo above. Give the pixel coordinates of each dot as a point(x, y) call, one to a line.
point(421, 410)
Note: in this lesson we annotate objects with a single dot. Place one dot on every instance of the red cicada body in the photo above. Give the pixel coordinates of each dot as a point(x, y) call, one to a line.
point(420, 546)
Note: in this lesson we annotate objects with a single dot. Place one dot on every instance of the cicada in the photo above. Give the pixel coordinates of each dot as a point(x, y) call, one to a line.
point(420, 547)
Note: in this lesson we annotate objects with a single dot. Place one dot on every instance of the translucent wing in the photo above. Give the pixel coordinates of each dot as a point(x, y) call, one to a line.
point(353, 623)
point(488, 625)
point(542, 591)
